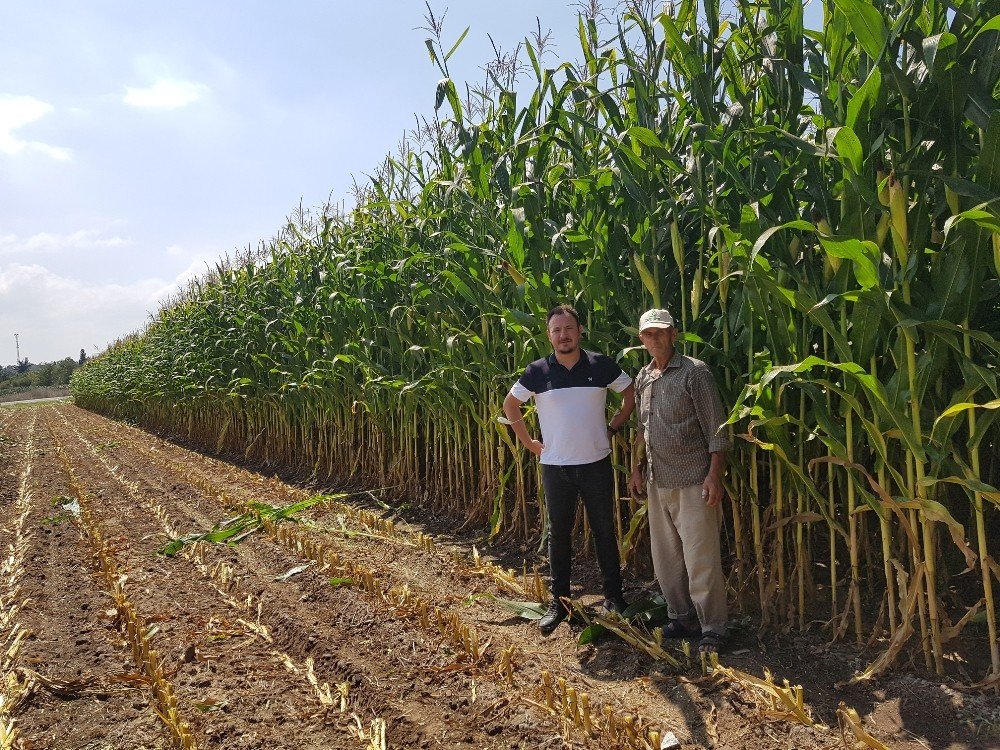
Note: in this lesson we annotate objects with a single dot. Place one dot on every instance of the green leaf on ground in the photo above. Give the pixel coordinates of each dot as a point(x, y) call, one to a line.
point(526, 610)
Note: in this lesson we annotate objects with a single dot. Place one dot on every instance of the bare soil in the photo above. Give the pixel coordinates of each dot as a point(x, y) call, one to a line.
point(267, 644)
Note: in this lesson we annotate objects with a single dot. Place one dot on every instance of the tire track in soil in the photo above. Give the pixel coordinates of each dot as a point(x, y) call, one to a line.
point(438, 678)
point(616, 675)
point(72, 640)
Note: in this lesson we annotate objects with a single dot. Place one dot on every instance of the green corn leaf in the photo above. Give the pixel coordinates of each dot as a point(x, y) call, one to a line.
point(862, 253)
point(867, 24)
point(959, 408)
point(525, 610)
point(848, 147)
point(457, 43)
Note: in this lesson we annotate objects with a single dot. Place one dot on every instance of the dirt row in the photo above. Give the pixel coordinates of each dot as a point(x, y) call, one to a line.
point(262, 649)
point(71, 650)
point(446, 577)
point(370, 667)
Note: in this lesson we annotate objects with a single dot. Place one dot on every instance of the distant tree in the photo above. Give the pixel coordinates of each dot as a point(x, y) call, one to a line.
point(83, 358)
point(23, 365)
point(44, 374)
point(62, 370)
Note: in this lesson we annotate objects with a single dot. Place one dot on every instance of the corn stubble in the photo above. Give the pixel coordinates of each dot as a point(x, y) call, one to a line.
point(819, 210)
point(134, 628)
point(571, 706)
point(13, 688)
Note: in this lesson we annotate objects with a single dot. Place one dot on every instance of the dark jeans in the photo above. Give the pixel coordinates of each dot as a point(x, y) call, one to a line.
point(595, 484)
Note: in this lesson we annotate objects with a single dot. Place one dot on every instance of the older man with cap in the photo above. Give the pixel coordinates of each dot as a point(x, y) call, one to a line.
point(681, 444)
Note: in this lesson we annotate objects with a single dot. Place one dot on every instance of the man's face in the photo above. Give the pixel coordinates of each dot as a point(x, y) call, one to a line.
point(564, 333)
point(659, 342)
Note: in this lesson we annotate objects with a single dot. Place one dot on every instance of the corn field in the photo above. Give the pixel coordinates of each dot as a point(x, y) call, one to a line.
point(819, 209)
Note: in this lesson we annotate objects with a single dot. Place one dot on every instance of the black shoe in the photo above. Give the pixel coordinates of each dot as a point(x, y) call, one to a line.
point(677, 629)
point(554, 615)
point(711, 643)
point(616, 605)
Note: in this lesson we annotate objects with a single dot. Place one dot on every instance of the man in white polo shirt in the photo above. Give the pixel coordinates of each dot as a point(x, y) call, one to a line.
point(570, 388)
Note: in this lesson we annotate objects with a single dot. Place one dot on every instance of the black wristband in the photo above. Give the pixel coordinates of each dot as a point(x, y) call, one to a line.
point(613, 430)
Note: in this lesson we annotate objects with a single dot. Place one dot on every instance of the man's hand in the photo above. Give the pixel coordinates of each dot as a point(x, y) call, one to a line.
point(637, 482)
point(512, 410)
point(711, 490)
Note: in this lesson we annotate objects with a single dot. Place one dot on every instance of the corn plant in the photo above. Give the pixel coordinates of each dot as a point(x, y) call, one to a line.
point(818, 207)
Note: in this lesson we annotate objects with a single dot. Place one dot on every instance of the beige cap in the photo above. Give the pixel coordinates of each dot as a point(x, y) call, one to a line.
point(655, 319)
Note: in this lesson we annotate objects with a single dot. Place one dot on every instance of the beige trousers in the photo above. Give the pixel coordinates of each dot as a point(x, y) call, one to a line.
point(687, 556)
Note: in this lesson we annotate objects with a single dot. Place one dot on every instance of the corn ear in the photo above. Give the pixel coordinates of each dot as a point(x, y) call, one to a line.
point(651, 284)
point(677, 245)
point(696, 292)
point(725, 261)
point(898, 220)
point(996, 252)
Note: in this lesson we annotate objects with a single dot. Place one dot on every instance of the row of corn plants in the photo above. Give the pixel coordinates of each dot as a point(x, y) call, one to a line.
point(819, 208)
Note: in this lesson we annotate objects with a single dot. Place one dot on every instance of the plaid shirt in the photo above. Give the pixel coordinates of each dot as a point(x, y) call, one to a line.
point(682, 420)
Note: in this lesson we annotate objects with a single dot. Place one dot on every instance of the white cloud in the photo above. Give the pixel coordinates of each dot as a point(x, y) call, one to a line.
point(165, 94)
point(82, 239)
point(15, 113)
point(56, 316)
point(196, 269)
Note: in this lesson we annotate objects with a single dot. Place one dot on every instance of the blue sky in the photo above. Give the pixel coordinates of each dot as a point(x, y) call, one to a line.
point(140, 140)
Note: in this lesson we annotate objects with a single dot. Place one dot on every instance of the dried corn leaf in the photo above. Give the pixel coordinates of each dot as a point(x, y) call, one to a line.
point(903, 633)
point(953, 631)
point(849, 719)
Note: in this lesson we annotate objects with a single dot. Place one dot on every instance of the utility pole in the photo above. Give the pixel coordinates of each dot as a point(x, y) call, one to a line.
point(17, 345)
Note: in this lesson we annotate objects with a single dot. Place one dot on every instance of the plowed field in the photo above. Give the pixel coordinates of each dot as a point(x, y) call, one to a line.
point(348, 626)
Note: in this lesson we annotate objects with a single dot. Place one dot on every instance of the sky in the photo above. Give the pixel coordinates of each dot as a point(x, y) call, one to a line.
point(141, 141)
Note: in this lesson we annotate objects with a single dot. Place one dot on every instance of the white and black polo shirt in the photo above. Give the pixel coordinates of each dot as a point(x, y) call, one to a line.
point(571, 405)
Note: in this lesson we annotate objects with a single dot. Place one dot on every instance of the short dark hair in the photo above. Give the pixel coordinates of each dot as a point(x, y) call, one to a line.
point(563, 310)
